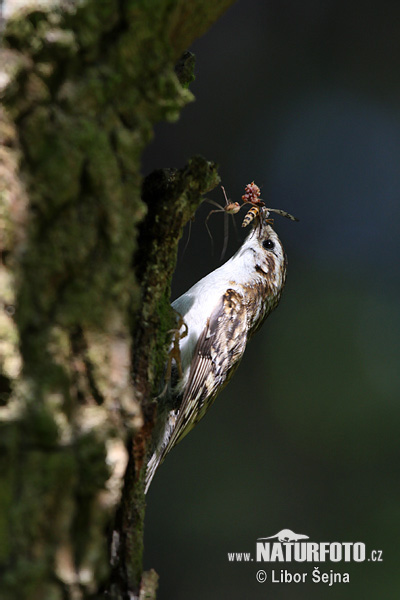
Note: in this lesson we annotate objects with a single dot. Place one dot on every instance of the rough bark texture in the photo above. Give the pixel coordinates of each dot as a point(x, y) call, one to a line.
point(85, 280)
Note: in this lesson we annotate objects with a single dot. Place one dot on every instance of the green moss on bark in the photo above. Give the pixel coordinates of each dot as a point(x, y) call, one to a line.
point(83, 84)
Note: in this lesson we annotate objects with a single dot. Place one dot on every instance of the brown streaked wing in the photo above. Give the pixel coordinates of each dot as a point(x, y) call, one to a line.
point(218, 350)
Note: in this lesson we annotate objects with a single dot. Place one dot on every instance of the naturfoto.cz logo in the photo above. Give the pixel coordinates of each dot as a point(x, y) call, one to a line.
point(290, 546)
point(287, 546)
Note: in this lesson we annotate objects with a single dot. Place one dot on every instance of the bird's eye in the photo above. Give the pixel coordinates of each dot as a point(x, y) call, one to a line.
point(268, 244)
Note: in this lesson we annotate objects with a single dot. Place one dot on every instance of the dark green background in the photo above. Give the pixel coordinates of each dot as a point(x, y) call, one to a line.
point(304, 98)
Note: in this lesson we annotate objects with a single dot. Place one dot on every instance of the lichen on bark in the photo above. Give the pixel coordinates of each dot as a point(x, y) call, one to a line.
point(85, 280)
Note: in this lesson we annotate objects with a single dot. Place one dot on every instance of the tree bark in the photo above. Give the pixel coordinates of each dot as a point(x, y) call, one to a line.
point(85, 278)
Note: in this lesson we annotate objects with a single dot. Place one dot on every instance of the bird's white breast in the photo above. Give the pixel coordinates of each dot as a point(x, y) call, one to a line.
point(198, 303)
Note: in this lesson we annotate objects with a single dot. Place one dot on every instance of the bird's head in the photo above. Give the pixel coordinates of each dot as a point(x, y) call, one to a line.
point(262, 253)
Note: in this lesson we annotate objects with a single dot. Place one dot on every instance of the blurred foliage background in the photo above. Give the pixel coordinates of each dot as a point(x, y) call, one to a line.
point(304, 99)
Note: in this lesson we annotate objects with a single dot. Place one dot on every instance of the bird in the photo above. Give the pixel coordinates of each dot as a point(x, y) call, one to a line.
point(216, 318)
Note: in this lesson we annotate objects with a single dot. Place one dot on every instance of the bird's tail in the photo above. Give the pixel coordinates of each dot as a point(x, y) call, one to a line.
point(161, 449)
point(152, 466)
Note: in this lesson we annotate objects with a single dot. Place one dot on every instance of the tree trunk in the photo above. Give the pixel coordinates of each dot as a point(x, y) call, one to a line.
point(85, 274)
